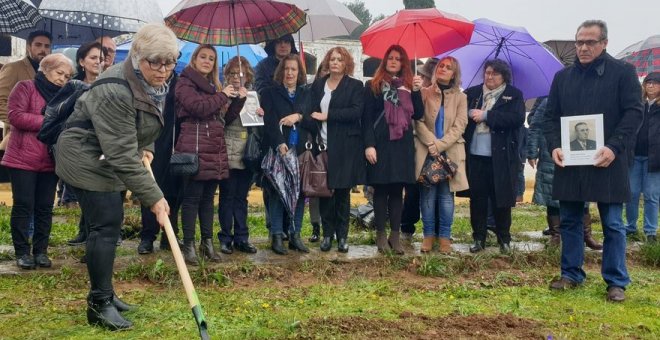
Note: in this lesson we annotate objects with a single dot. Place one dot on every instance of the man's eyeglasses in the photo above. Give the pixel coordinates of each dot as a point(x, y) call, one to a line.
point(589, 43)
point(156, 66)
point(107, 50)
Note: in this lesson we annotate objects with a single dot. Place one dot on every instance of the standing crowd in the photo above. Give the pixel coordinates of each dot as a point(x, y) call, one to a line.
point(384, 133)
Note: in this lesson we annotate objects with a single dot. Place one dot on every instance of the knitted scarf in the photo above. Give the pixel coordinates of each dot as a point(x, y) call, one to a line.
point(398, 107)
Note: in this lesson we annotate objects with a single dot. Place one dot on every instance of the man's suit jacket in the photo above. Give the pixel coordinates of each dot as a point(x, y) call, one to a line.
point(10, 75)
point(576, 146)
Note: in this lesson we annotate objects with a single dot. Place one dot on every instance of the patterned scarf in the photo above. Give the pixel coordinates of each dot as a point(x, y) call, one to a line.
point(398, 107)
point(490, 97)
point(157, 95)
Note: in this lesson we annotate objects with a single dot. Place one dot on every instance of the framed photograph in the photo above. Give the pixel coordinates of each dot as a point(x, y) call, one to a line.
point(581, 137)
point(249, 116)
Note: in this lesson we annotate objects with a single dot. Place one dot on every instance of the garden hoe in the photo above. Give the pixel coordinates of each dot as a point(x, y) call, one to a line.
point(185, 276)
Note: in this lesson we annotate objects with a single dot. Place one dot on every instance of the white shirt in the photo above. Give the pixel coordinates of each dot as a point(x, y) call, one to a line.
point(325, 105)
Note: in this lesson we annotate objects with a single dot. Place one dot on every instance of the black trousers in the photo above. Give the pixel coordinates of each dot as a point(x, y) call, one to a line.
point(482, 193)
point(335, 211)
point(104, 215)
point(388, 198)
point(411, 212)
point(197, 201)
point(33, 194)
point(233, 206)
point(150, 226)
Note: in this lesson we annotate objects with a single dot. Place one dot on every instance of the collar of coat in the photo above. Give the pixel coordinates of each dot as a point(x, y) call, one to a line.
point(598, 65)
point(200, 81)
point(141, 100)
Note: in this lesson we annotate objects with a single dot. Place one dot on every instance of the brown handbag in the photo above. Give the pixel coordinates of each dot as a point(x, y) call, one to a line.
point(314, 172)
point(437, 169)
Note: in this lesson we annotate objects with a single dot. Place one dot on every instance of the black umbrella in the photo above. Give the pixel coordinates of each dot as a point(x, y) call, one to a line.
point(563, 49)
point(283, 173)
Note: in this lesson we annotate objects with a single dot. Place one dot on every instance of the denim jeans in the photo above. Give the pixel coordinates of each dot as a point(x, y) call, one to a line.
point(648, 183)
point(277, 211)
point(613, 268)
point(437, 205)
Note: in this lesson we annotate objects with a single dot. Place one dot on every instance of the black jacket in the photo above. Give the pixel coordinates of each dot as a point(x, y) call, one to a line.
point(264, 72)
point(276, 104)
point(346, 161)
point(606, 86)
point(395, 158)
point(504, 120)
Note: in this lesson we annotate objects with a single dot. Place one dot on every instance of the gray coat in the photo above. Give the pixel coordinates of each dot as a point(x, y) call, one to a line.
point(109, 157)
point(606, 86)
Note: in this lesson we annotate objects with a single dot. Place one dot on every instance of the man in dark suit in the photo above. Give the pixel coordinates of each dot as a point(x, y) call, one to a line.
point(582, 142)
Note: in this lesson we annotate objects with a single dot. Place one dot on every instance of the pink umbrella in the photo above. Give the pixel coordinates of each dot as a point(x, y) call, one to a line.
point(421, 32)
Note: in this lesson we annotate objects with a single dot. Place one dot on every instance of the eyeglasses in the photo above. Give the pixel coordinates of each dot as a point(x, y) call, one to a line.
point(489, 74)
point(446, 66)
point(234, 74)
point(651, 83)
point(107, 50)
point(589, 43)
point(156, 66)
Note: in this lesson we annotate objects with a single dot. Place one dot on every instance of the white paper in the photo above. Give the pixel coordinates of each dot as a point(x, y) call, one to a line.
point(581, 137)
point(249, 116)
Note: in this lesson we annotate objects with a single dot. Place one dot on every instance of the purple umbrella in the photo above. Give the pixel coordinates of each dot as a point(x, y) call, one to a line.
point(533, 67)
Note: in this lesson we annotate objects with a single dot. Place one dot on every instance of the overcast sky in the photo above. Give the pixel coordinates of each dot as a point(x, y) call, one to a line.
point(628, 22)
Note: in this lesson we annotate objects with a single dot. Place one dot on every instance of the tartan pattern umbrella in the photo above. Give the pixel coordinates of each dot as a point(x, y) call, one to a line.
point(645, 61)
point(233, 22)
point(17, 15)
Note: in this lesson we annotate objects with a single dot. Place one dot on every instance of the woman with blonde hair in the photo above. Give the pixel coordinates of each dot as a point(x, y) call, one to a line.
point(233, 205)
point(201, 104)
point(440, 131)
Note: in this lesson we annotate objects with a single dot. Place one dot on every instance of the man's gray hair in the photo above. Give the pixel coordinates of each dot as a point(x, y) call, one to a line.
point(600, 23)
point(154, 42)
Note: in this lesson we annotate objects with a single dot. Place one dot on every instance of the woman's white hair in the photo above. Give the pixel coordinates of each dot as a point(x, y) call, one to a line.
point(154, 42)
point(53, 61)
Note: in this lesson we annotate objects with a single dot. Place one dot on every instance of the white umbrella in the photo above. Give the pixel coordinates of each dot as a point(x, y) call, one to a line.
point(325, 18)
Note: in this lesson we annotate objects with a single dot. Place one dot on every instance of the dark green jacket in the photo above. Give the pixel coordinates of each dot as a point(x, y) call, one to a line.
point(109, 157)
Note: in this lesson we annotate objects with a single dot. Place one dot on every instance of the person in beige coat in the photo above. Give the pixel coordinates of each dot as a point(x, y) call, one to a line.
point(440, 131)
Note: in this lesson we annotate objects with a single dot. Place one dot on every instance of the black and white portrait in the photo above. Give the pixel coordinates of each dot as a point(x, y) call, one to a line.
point(582, 139)
point(249, 116)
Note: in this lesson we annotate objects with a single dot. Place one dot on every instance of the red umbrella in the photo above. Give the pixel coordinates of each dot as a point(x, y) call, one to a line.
point(421, 32)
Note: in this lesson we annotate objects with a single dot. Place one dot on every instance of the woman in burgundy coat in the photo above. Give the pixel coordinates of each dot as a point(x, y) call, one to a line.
point(201, 104)
point(31, 168)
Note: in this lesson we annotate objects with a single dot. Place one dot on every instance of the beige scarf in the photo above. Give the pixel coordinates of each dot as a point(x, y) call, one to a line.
point(490, 97)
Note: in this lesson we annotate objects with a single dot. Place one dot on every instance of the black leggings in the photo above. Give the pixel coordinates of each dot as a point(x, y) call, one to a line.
point(388, 198)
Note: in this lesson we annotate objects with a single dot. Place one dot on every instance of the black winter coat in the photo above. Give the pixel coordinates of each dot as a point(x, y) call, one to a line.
point(652, 129)
point(395, 158)
point(606, 86)
point(504, 120)
point(165, 143)
point(537, 149)
point(264, 72)
point(276, 104)
point(346, 161)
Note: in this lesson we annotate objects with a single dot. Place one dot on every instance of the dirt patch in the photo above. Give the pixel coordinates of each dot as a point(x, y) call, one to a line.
point(411, 326)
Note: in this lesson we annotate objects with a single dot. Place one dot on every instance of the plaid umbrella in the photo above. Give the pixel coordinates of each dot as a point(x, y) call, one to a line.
point(17, 15)
point(644, 55)
point(233, 22)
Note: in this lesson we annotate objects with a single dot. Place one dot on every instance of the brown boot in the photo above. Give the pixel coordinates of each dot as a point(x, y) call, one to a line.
point(555, 234)
point(445, 245)
point(395, 242)
point(427, 244)
point(588, 239)
point(381, 241)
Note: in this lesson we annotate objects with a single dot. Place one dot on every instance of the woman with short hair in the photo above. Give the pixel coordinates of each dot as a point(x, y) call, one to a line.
point(30, 165)
point(125, 116)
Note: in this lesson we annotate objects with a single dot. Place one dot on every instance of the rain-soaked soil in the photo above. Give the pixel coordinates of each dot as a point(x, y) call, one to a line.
point(411, 326)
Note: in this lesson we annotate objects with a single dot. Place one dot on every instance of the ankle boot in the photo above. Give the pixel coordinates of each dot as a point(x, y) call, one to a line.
point(326, 244)
point(588, 239)
point(381, 241)
point(296, 243)
point(478, 246)
point(395, 242)
point(427, 244)
point(81, 238)
point(277, 246)
point(555, 234)
point(342, 245)
point(316, 230)
point(206, 250)
point(121, 305)
point(104, 313)
point(445, 245)
point(189, 253)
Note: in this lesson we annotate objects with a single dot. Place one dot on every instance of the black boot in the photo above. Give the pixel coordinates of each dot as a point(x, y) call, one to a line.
point(81, 238)
point(478, 246)
point(104, 313)
point(342, 245)
point(26, 262)
point(189, 253)
point(206, 250)
point(316, 230)
point(277, 245)
point(121, 305)
point(326, 243)
point(165, 244)
point(145, 247)
point(296, 243)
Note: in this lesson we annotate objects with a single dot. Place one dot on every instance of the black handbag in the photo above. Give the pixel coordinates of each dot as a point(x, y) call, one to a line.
point(185, 163)
point(252, 154)
point(437, 169)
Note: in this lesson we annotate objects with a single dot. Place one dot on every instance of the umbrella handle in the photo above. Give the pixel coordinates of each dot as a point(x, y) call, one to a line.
point(193, 299)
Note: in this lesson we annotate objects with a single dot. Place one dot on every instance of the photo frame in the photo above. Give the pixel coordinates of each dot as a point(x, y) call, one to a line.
point(249, 116)
point(581, 137)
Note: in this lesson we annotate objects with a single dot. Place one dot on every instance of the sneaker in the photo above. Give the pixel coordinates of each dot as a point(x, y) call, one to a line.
point(563, 284)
